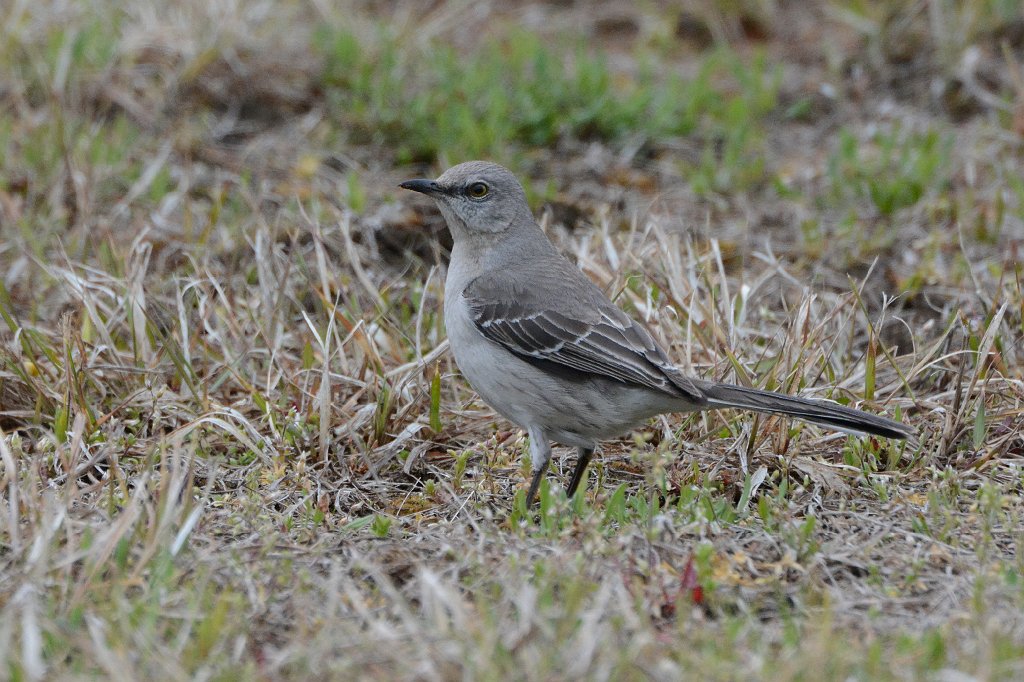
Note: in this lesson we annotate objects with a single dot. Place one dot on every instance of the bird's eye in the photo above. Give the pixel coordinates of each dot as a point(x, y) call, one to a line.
point(478, 190)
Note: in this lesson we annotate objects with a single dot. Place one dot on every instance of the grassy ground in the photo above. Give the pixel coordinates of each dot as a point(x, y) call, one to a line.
point(233, 444)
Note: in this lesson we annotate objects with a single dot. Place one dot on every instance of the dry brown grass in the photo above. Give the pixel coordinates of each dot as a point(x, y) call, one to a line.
point(233, 444)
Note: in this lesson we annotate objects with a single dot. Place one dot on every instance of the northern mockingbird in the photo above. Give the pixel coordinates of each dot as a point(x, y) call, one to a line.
point(548, 350)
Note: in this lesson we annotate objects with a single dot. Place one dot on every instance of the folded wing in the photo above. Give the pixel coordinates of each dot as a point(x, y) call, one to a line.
point(609, 344)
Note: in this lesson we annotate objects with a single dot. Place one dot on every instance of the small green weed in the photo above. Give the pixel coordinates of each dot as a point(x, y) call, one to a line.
point(894, 170)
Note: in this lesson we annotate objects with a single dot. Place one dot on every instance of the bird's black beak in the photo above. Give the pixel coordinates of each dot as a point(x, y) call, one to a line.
point(428, 187)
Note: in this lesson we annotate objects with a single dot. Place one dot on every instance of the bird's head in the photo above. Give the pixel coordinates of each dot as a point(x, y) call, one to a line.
point(476, 197)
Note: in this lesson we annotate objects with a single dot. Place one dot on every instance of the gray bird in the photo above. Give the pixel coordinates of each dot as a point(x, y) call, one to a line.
point(549, 351)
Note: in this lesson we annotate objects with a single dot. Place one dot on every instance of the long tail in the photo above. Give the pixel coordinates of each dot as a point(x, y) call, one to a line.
point(816, 411)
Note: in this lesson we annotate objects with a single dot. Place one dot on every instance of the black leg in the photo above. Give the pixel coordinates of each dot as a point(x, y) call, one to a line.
point(581, 467)
point(540, 454)
point(534, 484)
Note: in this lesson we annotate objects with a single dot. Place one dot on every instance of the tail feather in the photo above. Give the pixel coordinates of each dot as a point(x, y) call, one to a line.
point(816, 411)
